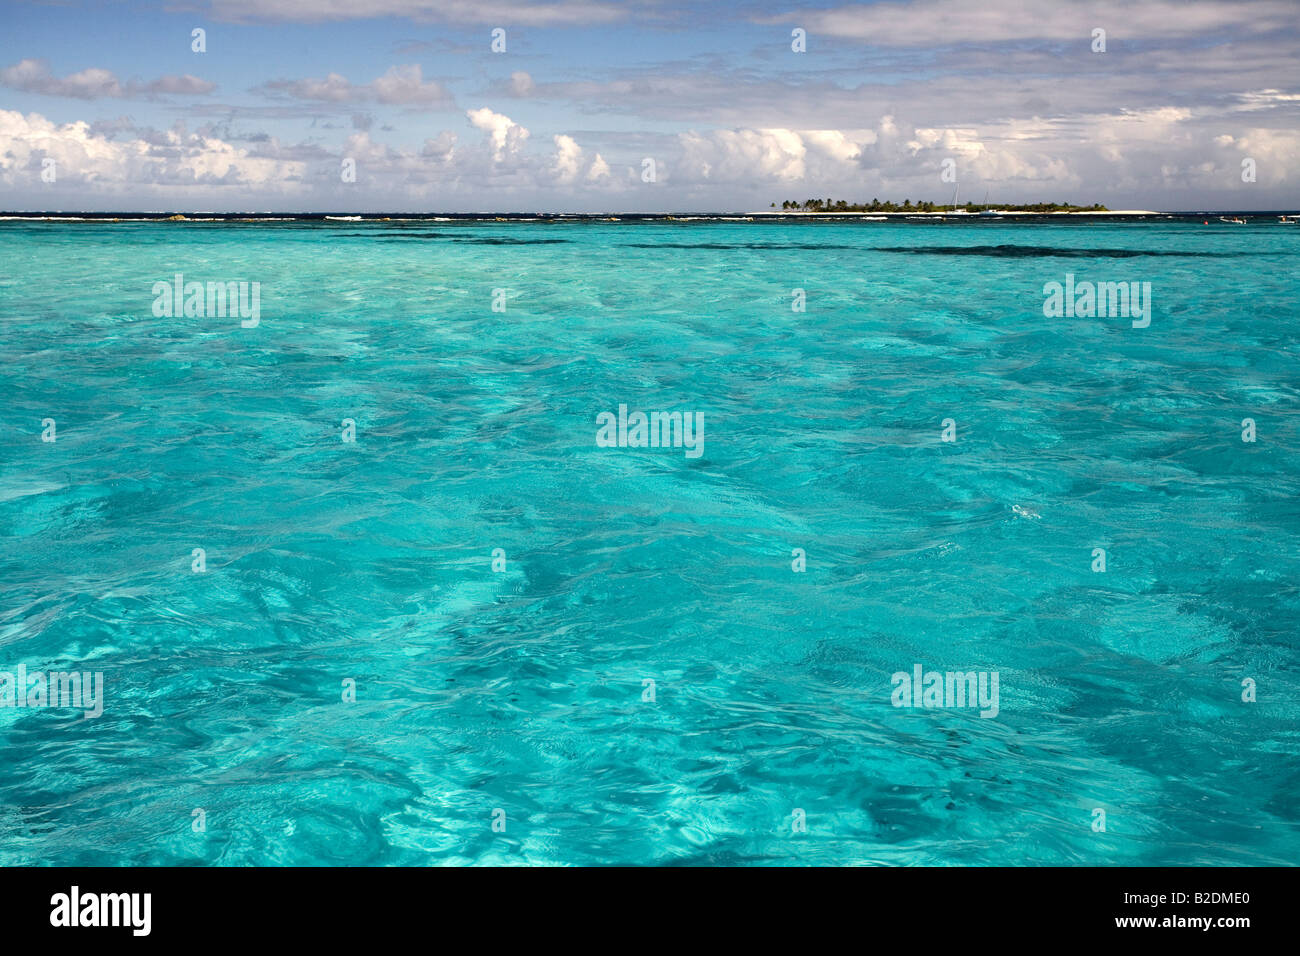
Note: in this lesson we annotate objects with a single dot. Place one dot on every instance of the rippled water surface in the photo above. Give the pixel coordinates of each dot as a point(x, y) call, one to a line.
point(522, 690)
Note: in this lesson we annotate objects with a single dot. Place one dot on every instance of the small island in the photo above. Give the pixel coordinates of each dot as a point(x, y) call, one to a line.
point(824, 206)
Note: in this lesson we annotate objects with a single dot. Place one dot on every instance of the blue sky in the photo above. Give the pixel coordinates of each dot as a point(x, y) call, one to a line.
point(289, 92)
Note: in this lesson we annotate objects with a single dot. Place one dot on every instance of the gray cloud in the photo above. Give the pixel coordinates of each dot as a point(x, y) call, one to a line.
point(572, 13)
point(34, 76)
point(926, 23)
point(400, 86)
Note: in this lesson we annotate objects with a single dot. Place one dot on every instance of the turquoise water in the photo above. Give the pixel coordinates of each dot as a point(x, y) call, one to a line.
point(521, 690)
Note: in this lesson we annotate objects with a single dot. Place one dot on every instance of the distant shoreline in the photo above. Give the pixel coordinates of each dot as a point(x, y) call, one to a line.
point(967, 215)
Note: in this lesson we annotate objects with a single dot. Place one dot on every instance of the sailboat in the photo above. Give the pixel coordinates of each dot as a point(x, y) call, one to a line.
point(955, 211)
point(990, 213)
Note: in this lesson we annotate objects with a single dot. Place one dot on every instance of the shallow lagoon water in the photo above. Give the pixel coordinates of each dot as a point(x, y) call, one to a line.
point(522, 690)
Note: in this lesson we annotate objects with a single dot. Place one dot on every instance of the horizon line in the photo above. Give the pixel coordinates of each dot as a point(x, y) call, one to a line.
point(738, 214)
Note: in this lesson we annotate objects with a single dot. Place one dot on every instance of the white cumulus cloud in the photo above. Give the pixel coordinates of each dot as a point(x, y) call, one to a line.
point(505, 134)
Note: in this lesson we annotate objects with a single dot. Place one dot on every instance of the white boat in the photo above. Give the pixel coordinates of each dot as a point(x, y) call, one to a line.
point(1288, 220)
point(1236, 221)
point(953, 211)
point(990, 213)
